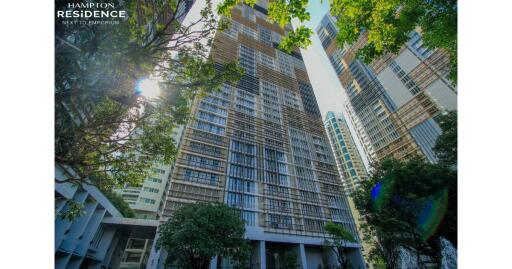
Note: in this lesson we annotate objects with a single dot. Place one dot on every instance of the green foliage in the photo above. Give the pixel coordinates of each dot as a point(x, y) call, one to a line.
point(339, 233)
point(340, 237)
point(226, 6)
point(299, 37)
point(105, 131)
point(198, 232)
point(395, 219)
point(289, 260)
point(398, 220)
point(282, 11)
point(446, 144)
point(118, 201)
point(387, 22)
point(71, 210)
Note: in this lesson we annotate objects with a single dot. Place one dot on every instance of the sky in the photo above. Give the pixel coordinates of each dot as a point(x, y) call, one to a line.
point(329, 93)
point(328, 90)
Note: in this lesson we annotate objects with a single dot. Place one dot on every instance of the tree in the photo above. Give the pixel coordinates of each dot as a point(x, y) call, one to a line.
point(405, 204)
point(119, 203)
point(446, 151)
point(387, 23)
point(412, 203)
point(446, 144)
point(105, 132)
point(289, 260)
point(198, 232)
point(340, 236)
point(384, 251)
point(281, 12)
point(71, 210)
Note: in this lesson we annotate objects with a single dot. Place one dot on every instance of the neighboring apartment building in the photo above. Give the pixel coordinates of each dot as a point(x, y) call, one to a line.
point(350, 164)
point(100, 237)
point(348, 159)
point(260, 146)
point(393, 102)
point(147, 200)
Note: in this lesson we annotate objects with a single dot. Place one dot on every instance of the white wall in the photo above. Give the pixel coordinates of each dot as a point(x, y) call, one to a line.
point(442, 95)
point(394, 87)
point(407, 61)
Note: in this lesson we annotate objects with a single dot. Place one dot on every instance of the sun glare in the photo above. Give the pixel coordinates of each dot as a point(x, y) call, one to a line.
point(148, 88)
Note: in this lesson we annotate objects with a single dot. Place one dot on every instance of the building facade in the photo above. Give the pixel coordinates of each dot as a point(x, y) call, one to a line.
point(147, 200)
point(350, 165)
point(348, 159)
point(100, 237)
point(260, 146)
point(393, 102)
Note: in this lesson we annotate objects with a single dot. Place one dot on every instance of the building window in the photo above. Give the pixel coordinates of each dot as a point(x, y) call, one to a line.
point(147, 200)
point(267, 61)
point(154, 179)
point(200, 177)
point(284, 63)
point(416, 43)
point(209, 127)
point(249, 218)
point(406, 80)
point(233, 30)
point(148, 189)
point(336, 61)
point(247, 60)
point(265, 36)
point(158, 171)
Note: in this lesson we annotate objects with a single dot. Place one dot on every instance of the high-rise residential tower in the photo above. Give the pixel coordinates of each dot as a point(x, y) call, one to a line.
point(350, 164)
point(393, 102)
point(147, 200)
point(260, 146)
point(348, 159)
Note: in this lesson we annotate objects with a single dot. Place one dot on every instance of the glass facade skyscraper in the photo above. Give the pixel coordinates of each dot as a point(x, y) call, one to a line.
point(393, 102)
point(350, 164)
point(260, 146)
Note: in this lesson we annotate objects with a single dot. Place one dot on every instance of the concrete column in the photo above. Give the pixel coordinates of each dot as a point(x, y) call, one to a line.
point(355, 257)
point(262, 254)
point(213, 263)
point(331, 258)
point(155, 255)
point(302, 257)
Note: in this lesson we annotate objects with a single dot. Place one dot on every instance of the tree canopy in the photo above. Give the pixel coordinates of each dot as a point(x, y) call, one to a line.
point(387, 23)
point(446, 144)
point(340, 237)
point(198, 232)
point(411, 203)
point(118, 201)
point(105, 130)
point(281, 12)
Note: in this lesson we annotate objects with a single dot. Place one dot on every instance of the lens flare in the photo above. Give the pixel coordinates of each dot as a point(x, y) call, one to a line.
point(380, 194)
point(431, 211)
point(433, 214)
point(148, 88)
